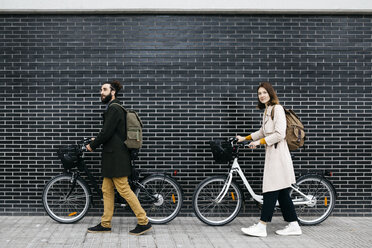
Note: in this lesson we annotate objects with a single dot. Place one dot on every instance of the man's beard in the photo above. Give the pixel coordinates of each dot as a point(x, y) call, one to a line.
point(107, 99)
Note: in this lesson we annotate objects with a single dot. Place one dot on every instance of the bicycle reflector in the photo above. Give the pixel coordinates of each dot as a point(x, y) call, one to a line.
point(173, 198)
point(72, 214)
point(233, 196)
point(175, 173)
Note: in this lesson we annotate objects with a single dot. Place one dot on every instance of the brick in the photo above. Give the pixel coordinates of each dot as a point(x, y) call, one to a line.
point(192, 78)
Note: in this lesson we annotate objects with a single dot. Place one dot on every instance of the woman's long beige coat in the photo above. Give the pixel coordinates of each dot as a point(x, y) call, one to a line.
point(278, 170)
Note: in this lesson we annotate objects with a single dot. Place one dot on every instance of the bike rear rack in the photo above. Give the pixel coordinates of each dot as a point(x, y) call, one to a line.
point(327, 173)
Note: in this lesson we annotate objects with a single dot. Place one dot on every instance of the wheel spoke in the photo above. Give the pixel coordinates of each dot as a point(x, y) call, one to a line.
point(163, 189)
point(62, 209)
point(315, 211)
point(208, 210)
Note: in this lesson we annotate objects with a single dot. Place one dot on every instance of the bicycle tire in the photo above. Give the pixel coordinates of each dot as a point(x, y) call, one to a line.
point(167, 201)
point(210, 212)
point(62, 209)
point(323, 199)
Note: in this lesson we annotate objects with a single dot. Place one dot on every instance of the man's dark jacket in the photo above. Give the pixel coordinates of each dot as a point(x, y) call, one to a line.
point(115, 155)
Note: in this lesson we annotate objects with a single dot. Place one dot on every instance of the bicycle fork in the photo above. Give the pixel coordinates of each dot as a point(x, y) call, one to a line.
point(225, 188)
point(74, 177)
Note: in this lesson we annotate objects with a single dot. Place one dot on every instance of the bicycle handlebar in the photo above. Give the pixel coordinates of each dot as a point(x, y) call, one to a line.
point(235, 141)
point(83, 143)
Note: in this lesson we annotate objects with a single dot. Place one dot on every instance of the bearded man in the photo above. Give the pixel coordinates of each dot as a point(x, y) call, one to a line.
point(116, 162)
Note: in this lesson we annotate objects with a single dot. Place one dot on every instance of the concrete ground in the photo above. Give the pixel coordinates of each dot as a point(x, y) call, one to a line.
point(41, 231)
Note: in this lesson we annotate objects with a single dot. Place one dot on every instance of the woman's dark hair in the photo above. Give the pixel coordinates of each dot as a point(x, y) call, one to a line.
point(115, 85)
point(270, 90)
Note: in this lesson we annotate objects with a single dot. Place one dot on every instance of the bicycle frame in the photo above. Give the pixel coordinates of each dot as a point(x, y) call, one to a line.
point(259, 198)
point(135, 181)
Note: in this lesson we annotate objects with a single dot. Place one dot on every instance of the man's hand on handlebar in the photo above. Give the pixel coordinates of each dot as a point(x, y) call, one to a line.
point(88, 146)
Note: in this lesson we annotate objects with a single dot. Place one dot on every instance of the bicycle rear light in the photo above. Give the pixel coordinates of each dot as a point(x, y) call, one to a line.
point(175, 173)
point(328, 173)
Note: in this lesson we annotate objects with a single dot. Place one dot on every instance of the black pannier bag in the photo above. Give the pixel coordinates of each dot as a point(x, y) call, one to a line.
point(69, 156)
point(221, 150)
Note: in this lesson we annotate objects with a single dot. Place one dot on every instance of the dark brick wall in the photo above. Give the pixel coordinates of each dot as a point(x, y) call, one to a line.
point(192, 78)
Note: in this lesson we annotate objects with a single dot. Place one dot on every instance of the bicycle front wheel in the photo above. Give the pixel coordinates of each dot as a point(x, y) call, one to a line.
point(161, 197)
point(65, 201)
point(205, 204)
point(322, 203)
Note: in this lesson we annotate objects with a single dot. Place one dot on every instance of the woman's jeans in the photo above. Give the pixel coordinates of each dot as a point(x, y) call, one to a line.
point(285, 203)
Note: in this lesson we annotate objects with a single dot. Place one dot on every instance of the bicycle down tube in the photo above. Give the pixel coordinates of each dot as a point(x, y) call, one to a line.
point(259, 198)
point(236, 168)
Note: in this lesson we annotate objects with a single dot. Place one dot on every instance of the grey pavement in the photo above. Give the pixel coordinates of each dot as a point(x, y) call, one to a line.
point(41, 231)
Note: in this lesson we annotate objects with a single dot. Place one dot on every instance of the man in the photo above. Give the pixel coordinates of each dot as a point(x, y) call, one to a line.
point(116, 163)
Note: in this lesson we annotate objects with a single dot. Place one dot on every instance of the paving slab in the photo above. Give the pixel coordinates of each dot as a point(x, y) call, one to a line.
point(182, 232)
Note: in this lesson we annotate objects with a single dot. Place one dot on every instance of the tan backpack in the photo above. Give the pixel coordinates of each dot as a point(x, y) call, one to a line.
point(295, 134)
point(134, 127)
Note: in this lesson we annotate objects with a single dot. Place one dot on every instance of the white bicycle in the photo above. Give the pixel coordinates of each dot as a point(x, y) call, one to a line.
point(217, 200)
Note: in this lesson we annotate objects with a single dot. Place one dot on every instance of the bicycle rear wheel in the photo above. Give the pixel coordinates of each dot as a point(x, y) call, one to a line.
point(161, 197)
point(323, 199)
point(208, 210)
point(65, 202)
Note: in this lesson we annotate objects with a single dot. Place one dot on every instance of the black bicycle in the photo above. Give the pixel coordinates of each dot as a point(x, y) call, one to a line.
point(67, 197)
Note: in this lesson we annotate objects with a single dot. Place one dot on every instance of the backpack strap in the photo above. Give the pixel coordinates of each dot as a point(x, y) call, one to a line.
point(125, 117)
point(273, 111)
point(130, 111)
point(272, 118)
point(120, 106)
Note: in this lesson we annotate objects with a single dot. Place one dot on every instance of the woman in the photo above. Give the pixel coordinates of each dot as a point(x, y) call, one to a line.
point(278, 170)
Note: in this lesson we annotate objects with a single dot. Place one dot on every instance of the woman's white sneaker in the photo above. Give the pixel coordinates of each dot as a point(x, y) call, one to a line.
point(257, 230)
point(293, 228)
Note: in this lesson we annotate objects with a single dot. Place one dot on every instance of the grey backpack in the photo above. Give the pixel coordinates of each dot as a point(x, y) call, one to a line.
point(134, 129)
